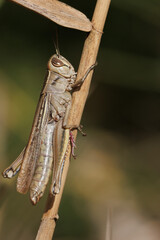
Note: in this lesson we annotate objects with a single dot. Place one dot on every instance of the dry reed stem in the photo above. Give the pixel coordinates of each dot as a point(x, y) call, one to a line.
point(88, 58)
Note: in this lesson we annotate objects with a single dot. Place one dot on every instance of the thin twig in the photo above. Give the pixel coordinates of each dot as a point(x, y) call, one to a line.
point(109, 225)
point(88, 58)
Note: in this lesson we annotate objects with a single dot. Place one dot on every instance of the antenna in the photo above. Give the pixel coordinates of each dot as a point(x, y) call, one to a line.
point(56, 45)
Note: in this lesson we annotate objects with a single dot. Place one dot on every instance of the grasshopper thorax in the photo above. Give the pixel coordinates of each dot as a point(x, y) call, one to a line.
point(62, 66)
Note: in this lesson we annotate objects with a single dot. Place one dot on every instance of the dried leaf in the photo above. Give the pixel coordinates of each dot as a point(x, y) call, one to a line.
point(59, 12)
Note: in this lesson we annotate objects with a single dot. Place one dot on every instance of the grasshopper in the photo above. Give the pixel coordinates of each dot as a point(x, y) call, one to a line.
point(50, 136)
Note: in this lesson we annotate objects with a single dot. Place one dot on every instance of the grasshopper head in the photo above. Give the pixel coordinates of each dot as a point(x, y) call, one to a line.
point(61, 65)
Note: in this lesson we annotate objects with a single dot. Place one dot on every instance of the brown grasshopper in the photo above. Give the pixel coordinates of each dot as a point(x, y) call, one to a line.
point(49, 137)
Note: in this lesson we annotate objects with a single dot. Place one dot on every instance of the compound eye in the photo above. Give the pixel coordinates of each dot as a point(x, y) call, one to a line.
point(56, 62)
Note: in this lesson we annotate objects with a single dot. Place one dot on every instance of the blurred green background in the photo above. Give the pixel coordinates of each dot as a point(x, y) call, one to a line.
point(118, 163)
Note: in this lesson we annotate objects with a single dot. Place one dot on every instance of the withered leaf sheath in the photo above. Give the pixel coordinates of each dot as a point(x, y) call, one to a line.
point(49, 138)
point(59, 12)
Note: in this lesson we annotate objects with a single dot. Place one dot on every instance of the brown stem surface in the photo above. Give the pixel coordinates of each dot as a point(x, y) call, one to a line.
point(88, 58)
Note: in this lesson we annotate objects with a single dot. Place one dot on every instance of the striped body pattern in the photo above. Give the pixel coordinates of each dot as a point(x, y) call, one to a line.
point(44, 165)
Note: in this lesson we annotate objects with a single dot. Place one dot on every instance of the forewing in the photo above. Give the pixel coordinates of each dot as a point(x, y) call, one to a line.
point(32, 150)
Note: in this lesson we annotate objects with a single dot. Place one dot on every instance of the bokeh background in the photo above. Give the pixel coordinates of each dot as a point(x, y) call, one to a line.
point(118, 163)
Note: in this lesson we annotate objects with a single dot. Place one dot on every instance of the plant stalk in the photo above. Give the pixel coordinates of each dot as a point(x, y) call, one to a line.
point(89, 55)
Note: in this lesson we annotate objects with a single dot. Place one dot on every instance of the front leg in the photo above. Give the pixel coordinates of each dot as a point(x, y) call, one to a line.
point(80, 81)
